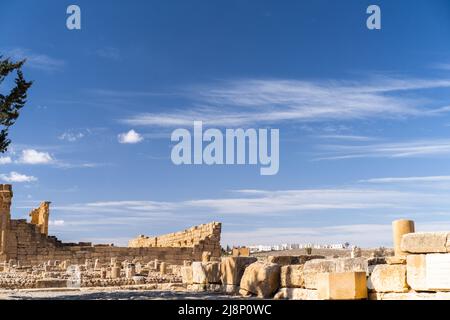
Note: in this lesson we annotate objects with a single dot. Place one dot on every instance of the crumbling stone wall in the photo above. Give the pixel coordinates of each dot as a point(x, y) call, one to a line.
point(205, 237)
point(29, 243)
point(39, 217)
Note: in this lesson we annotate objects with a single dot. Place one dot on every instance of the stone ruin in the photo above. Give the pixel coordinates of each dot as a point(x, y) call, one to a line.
point(28, 243)
point(417, 269)
point(203, 238)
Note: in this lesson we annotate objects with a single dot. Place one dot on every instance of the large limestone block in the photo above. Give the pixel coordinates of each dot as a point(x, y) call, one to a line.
point(388, 278)
point(232, 269)
point(205, 272)
point(186, 275)
point(437, 272)
point(314, 267)
point(410, 296)
point(261, 279)
point(359, 264)
point(425, 242)
point(342, 286)
point(292, 276)
point(288, 260)
point(296, 294)
point(51, 283)
point(416, 272)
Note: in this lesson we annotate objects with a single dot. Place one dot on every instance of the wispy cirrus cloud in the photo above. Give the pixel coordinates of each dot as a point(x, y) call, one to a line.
point(246, 205)
point(268, 202)
point(347, 137)
point(244, 102)
point(36, 60)
point(404, 149)
point(408, 179)
point(111, 53)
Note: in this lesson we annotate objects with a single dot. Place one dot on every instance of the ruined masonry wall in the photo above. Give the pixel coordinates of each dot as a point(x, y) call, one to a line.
point(29, 244)
point(205, 237)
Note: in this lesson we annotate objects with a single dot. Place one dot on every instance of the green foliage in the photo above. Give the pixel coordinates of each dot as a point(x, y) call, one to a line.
point(15, 100)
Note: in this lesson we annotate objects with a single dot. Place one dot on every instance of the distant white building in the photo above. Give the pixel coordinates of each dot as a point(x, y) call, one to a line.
point(292, 246)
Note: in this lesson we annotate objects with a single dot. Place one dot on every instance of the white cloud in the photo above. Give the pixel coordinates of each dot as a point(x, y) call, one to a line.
point(130, 137)
point(244, 102)
point(56, 223)
point(278, 202)
point(5, 160)
point(17, 177)
point(71, 136)
point(36, 60)
point(346, 137)
point(405, 149)
point(291, 211)
point(31, 156)
point(408, 179)
point(355, 234)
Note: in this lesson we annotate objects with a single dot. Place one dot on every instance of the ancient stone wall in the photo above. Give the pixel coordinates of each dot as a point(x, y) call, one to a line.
point(39, 216)
point(205, 237)
point(29, 243)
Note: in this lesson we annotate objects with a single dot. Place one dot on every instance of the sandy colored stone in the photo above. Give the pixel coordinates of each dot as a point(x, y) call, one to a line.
point(232, 269)
point(186, 275)
point(342, 286)
point(416, 272)
point(292, 276)
point(261, 279)
point(296, 294)
point(230, 289)
point(314, 267)
point(410, 296)
point(437, 271)
point(388, 278)
point(289, 260)
point(115, 272)
point(240, 252)
point(399, 229)
point(395, 260)
point(425, 242)
point(205, 273)
point(51, 283)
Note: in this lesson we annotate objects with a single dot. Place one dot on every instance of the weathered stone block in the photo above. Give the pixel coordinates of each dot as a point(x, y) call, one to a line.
point(395, 260)
point(416, 272)
point(261, 279)
point(51, 283)
point(425, 242)
point(296, 294)
point(438, 271)
point(292, 276)
point(230, 289)
point(205, 273)
point(186, 275)
point(314, 267)
point(342, 286)
point(232, 269)
point(388, 278)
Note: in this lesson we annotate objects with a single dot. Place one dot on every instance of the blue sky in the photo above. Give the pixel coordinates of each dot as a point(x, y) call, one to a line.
point(363, 117)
